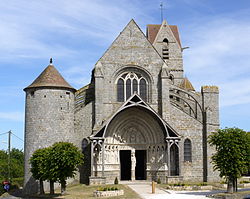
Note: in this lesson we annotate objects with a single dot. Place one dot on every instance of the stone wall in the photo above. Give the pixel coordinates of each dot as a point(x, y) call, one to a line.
point(49, 118)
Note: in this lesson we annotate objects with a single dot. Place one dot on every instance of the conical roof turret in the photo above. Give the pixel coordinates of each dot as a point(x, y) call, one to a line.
point(50, 77)
point(187, 85)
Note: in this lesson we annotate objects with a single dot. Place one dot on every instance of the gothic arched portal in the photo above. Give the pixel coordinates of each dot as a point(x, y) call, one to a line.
point(140, 139)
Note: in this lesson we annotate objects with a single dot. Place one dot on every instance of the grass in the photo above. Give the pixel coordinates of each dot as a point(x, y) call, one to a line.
point(86, 192)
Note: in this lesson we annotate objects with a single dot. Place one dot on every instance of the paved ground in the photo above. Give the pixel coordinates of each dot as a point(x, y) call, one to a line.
point(145, 191)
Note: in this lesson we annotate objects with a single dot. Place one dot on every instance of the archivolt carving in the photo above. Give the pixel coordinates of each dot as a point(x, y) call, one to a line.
point(134, 126)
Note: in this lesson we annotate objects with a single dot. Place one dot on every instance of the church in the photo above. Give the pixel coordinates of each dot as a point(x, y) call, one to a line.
point(139, 118)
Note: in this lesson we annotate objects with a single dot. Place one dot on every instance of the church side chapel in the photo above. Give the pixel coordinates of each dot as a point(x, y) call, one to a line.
point(138, 119)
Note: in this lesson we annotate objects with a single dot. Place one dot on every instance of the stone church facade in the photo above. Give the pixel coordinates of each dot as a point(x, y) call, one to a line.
point(138, 119)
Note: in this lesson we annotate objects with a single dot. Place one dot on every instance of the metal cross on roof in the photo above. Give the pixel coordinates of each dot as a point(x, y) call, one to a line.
point(161, 7)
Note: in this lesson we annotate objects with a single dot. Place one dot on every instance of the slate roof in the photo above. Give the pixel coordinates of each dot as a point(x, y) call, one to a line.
point(153, 29)
point(50, 77)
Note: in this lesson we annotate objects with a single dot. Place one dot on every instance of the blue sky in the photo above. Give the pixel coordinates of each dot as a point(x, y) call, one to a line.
point(76, 33)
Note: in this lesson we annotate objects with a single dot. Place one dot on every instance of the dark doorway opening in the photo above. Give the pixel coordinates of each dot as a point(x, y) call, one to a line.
point(140, 168)
point(125, 164)
point(174, 160)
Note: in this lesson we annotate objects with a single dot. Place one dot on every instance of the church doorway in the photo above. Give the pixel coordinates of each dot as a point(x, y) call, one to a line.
point(174, 160)
point(140, 168)
point(125, 164)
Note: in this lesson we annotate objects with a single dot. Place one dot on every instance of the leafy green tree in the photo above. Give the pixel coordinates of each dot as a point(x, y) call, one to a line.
point(3, 165)
point(64, 158)
point(16, 164)
point(39, 166)
point(232, 157)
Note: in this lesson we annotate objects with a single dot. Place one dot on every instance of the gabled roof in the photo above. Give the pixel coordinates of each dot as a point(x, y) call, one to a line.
point(137, 40)
point(50, 77)
point(153, 29)
point(136, 101)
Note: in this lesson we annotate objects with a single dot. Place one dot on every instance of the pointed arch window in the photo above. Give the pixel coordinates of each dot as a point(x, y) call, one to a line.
point(143, 89)
point(128, 88)
point(187, 150)
point(174, 160)
point(165, 49)
point(120, 90)
point(130, 83)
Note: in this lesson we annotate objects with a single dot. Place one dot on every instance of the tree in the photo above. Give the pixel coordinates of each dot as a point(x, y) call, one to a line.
point(16, 164)
point(39, 166)
point(232, 157)
point(64, 158)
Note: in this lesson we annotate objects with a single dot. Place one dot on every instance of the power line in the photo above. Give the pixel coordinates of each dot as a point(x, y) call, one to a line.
point(4, 133)
point(17, 137)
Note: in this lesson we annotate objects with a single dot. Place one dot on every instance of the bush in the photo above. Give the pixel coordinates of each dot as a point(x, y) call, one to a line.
point(18, 181)
point(107, 189)
point(1, 190)
point(116, 181)
point(158, 181)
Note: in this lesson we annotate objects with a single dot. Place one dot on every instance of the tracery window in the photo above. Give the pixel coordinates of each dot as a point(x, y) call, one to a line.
point(130, 83)
point(187, 150)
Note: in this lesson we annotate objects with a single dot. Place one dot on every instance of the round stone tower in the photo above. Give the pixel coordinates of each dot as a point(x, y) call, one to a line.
point(49, 116)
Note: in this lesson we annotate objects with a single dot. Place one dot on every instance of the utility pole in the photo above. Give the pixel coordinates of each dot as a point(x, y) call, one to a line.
point(9, 140)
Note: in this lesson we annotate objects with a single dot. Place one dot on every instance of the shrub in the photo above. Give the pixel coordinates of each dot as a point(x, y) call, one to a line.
point(1, 190)
point(158, 181)
point(116, 180)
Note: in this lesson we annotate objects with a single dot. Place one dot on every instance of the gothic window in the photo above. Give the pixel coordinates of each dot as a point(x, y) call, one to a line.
point(143, 89)
point(135, 86)
point(120, 90)
point(187, 150)
point(165, 49)
point(128, 88)
point(130, 83)
point(174, 160)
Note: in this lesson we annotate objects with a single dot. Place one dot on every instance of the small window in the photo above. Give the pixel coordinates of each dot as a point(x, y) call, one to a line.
point(32, 93)
point(165, 49)
point(165, 40)
point(135, 86)
point(171, 77)
point(143, 89)
point(44, 96)
point(120, 90)
point(187, 150)
point(128, 88)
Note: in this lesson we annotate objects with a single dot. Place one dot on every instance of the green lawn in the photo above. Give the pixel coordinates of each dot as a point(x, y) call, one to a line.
point(83, 191)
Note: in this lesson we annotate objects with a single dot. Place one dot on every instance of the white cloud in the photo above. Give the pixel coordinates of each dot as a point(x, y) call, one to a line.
point(14, 116)
point(35, 29)
point(219, 55)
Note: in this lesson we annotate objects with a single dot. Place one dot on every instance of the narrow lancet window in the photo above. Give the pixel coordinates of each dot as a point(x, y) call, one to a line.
point(135, 86)
point(143, 89)
point(187, 150)
point(120, 90)
point(128, 88)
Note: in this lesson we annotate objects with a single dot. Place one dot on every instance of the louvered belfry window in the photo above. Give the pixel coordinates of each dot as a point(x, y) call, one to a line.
point(165, 49)
point(130, 83)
